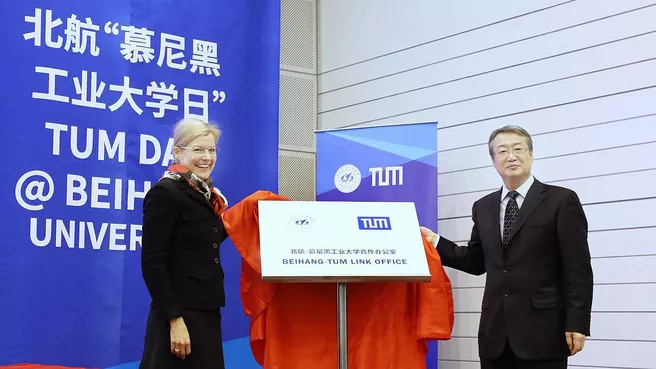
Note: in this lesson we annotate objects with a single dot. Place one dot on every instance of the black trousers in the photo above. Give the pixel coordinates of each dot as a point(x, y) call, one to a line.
point(204, 328)
point(508, 360)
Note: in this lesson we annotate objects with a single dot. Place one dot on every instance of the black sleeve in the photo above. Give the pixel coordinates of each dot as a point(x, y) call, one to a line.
point(225, 234)
point(468, 259)
point(159, 217)
point(576, 265)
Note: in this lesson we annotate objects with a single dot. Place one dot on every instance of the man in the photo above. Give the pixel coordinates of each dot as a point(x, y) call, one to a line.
point(531, 240)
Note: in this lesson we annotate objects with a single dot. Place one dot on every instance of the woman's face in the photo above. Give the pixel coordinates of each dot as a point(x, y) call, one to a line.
point(199, 156)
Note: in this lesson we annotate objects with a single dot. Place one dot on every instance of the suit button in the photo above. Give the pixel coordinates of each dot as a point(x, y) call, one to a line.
point(216, 230)
point(505, 270)
point(505, 294)
point(216, 260)
point(215, 245)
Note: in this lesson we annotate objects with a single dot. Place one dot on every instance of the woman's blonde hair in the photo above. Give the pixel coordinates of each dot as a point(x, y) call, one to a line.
point(189, 129)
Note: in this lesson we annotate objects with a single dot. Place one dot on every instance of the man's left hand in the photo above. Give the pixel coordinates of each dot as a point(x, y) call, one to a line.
point(575, 342)
point(430, 235)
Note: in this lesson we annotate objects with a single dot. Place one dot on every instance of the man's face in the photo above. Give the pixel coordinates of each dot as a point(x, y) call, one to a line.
point(511, 156)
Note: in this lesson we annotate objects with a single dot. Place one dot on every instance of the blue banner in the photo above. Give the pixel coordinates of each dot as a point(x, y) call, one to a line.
point(90, 92)
point(385, 163)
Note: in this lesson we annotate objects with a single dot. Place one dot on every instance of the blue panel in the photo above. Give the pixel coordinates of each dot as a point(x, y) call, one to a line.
point(85, 304)
point(354, 165)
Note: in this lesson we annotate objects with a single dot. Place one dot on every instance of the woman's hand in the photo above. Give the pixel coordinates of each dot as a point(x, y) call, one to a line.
point(180, 342)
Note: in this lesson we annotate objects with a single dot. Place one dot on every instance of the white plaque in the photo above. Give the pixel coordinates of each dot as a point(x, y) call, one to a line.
point(318, 241)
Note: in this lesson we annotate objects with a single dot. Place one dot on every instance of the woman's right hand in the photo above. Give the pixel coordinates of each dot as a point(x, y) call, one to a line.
point(180, 342)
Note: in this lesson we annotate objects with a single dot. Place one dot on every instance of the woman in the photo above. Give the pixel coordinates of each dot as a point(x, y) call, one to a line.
point(181, 233)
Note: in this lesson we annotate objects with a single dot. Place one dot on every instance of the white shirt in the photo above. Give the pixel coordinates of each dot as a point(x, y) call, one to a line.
point(522, 191)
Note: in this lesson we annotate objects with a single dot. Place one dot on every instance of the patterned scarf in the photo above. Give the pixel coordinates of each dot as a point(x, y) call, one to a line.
point(212, 194)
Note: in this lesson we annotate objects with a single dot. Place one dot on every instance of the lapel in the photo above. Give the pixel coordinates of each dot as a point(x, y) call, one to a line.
point(534, 197)
point(195, 195)
point(494, 209)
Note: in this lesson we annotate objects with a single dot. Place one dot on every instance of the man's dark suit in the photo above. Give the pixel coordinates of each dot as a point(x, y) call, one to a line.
point(540, 285)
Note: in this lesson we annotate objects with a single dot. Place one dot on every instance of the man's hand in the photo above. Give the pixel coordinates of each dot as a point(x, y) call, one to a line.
point(575, 342)
point(430, 235)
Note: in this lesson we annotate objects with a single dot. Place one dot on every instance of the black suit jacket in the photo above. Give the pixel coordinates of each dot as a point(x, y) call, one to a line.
point(180, 249)
point(540, 286)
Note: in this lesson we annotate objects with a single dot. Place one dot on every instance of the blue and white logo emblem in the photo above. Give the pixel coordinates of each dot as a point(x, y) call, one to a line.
point(347, 178)
point(301, 222)
point(374, 223)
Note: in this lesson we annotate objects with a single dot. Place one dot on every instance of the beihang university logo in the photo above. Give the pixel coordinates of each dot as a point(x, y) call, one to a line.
point(301, 222)
point(347, 178)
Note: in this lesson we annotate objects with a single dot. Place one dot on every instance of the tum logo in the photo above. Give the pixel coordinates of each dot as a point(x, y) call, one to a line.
point(387, 176)
point(374, 223)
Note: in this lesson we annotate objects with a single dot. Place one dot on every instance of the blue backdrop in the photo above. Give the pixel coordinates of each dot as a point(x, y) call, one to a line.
point(386, 163)
point(90, 92)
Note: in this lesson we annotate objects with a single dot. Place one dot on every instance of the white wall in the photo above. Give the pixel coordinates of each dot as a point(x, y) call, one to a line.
point(579, 75)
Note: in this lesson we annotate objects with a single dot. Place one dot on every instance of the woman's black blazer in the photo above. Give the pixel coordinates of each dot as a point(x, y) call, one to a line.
point(180, 259)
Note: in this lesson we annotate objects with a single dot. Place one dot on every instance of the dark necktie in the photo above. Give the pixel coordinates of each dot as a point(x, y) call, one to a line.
point(512, 209)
